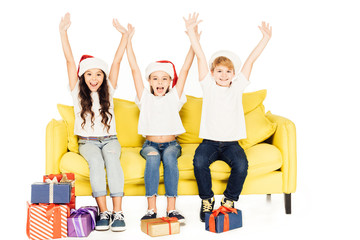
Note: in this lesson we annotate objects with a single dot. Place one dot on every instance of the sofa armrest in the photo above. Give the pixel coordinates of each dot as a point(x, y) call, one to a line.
point(56, 145)
point(284, 139)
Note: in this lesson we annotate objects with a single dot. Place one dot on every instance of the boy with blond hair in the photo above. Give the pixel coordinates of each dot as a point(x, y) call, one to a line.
point(222, 119)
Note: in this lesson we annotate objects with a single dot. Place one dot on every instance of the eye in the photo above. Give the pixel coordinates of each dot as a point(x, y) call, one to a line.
point(154, 79)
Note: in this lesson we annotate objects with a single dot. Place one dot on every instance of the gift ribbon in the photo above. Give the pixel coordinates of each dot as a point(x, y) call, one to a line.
point(223, 210)
point(163, 219)
point(51, 188)
point(65, 178)
point(50, 210)
point(76, 219)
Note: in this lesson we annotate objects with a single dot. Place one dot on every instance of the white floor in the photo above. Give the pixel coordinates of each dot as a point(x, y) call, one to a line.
point(261, 219)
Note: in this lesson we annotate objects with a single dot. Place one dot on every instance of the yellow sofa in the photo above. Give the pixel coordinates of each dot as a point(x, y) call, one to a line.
point(270, 148)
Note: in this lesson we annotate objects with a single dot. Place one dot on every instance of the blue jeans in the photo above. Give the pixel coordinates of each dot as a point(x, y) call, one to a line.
point(230, 152)
point(168, 153)
point(100, 154)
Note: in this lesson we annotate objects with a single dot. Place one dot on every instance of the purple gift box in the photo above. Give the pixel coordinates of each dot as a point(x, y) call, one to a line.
point(82, 221)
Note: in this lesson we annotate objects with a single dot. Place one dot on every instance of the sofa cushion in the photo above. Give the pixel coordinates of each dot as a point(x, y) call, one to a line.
point(68, 115)
point(191, 116)
point(127, 118)
point(258, 127)
point(263, 158)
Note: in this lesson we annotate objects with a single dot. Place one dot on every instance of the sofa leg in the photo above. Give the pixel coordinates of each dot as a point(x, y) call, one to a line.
point(268, 197)
point(287, 198)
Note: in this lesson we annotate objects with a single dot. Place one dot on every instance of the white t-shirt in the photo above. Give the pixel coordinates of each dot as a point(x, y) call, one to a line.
point(98, 129)
point(159, 115)
point(222, 117)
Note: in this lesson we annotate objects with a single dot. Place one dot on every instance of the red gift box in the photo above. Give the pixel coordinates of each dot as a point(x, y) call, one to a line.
point(47, 221)
point(65, 177)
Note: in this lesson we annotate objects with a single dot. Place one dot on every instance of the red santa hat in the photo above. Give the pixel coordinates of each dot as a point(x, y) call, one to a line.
point(163, 65)
point(89, 62)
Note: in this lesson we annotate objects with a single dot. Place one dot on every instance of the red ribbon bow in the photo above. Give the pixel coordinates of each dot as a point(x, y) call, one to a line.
point(223, 210)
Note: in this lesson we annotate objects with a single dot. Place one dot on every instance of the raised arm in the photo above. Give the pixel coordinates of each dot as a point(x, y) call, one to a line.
point(114, 70)
point(70, 62)
point(135, 71)
point(184, 71)
point(266, 30)
point(191, 24)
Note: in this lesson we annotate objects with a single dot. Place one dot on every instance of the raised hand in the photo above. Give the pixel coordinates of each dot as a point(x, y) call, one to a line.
point(65, 22)
point(119, 27)
point(266, 30)
point(192, 22)
point(131, 31)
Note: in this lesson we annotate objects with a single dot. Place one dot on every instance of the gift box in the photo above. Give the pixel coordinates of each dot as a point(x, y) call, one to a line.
point(64, 177)
point(47, 221)
point(82, 221)
point(160, 226)
point(50, 192)
point(223, 219)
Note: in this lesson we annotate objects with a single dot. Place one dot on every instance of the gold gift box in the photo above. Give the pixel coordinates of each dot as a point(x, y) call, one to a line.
point(160, 226)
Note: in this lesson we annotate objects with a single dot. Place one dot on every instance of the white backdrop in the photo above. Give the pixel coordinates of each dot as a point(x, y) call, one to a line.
point(310, 69)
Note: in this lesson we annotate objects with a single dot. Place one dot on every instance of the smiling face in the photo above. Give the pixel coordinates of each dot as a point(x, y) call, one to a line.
point(223, 75)
point(94, 78)
point(160, 82)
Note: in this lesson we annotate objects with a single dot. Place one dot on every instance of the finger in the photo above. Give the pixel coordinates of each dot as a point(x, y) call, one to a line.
point(197, 15)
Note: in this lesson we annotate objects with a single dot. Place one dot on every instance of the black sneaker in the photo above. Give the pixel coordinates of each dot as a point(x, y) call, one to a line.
point(207, 205)
point(176, 214)
point(149, 214)
point(226, 202)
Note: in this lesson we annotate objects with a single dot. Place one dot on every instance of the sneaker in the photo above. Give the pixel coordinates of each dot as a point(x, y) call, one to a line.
point(103, 223)
point(176, 214)
point(149, 214)
point(207, 205)
point(118, 223)
point(226, 202)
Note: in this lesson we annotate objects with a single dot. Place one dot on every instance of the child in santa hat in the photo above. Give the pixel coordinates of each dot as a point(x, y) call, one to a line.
point(160, 123)
point(92, 87)
point(222, 120)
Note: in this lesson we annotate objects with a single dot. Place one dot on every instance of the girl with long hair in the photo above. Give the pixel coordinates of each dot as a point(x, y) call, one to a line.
point(92, 87)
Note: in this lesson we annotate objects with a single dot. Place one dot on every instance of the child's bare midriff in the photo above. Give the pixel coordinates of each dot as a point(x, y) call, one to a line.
point(161, 139)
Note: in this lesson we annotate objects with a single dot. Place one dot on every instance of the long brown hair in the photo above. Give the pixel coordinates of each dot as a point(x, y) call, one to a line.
point(86, 103)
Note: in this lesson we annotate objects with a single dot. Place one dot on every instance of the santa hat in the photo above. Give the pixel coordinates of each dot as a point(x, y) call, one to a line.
point(230, 55)
point(89, 62)
point(163, 65)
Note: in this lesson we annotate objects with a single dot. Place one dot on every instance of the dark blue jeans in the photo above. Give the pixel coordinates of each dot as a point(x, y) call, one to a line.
point(230, 152)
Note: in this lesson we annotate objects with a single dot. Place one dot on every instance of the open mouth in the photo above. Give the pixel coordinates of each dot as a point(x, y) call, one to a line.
point(93, 84)
point(160, 89)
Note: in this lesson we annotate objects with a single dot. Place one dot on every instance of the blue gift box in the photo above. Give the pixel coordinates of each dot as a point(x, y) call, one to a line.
point(50, 192)
point(235, 221)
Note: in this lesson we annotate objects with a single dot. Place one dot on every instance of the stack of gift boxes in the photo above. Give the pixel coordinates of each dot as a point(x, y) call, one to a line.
point(52, 213)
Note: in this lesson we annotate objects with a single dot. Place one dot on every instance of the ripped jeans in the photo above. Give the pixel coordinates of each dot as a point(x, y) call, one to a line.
point(154, 153)
point(100, 154)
